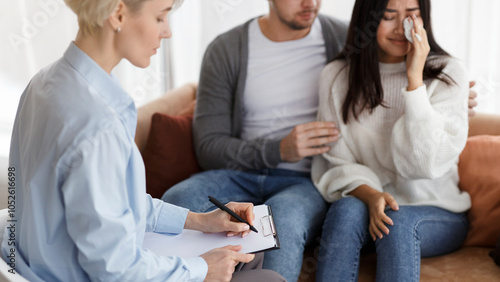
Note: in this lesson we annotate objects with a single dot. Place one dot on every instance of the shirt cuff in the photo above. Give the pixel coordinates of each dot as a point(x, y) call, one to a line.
point(197, 267)
point(171, 219)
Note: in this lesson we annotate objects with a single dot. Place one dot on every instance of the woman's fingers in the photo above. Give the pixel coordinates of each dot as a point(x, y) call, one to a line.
point(379, 219)
point(381, 222)
point(386, 220)
point(375, 230)
point(419, 33)
point(416, 37)
point(391, 202)
point(374, 237)
point(416, 23)
point(378, 225)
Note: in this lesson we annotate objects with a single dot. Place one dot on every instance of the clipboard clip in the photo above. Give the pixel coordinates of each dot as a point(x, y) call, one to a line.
point(267, 225)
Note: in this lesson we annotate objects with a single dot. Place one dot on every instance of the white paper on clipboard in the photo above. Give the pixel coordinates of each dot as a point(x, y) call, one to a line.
point(191, 243)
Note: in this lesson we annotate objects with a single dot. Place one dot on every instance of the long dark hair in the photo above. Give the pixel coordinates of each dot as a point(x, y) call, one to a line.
point(361, 53)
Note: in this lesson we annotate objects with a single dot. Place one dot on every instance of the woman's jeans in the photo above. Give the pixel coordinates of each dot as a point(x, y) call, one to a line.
point(298, 207)
point(418, 231)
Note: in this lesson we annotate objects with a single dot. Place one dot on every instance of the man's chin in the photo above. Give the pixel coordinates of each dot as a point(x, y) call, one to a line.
point(300, 25)
point(303, 21)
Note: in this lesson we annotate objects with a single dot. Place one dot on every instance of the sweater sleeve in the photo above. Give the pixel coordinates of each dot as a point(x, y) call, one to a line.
point(428, 139)
point(215, 145)
point(337, 172)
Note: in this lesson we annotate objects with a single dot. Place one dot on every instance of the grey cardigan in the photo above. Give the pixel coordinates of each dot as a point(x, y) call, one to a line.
point(218, 115)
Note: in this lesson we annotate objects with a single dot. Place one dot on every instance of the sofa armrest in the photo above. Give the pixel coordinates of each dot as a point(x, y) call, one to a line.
point(179, 101)
point(484, 124)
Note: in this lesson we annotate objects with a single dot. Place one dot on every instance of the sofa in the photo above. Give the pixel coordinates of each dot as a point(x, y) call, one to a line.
point(169, 158)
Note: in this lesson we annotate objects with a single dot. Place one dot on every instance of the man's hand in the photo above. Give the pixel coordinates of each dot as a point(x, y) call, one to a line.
point(220, 221)
point(307, 140)
point(222, 261)
point(472, 99)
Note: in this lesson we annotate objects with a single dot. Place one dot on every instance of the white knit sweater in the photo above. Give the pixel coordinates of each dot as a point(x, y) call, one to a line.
point(409, 149)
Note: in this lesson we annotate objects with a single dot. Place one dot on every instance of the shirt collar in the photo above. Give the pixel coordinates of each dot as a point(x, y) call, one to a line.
point(106, 85)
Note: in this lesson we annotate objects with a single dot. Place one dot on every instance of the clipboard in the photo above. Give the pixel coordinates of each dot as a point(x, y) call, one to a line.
point(268, 229)
point(192, 243)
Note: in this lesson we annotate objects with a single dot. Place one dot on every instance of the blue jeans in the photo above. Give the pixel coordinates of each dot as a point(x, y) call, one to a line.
point(298, 208)
point(418, 231)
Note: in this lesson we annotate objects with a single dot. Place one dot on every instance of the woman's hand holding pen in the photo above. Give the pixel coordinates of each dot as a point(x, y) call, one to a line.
point(222, 261)
point(376, 202)
point(220, 221)
point(415, 60)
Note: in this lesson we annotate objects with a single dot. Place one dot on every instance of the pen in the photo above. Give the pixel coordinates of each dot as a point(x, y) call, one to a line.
point(229, 211)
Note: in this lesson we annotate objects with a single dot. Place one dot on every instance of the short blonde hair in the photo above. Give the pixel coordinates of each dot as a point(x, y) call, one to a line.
point(92, 13)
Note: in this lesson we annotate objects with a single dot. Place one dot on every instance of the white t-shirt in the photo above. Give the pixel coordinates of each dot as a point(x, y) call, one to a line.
point(282, 86)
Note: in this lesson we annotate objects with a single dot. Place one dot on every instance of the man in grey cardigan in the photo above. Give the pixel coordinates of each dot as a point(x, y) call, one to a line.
point(254, 127)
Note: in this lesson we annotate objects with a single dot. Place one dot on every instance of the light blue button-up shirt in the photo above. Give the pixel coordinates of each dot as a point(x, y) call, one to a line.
point(81, 206)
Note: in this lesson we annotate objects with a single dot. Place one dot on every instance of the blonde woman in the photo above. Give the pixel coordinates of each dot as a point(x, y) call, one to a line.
point(81, 206)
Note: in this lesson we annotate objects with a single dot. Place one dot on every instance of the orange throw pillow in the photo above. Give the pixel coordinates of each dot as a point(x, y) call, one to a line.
point(479, 170)
point(169, 154)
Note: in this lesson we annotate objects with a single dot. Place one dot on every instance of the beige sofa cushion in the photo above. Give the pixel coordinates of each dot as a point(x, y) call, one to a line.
point(479, 170)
